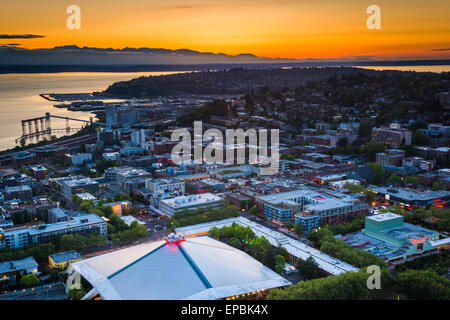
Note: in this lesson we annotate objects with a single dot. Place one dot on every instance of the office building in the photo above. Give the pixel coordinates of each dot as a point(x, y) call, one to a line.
point(387, 236)
point(193, 202)
point(120, 174)
point(9, 269)
point(57, 215)
point(23, 193)
point(411, 199)
point(23, 158)
point(80, 159)
point(392, 137)
point(15, 238)
point(309, 208)
point(390, 157)
point(63, 259)
point(70, 188)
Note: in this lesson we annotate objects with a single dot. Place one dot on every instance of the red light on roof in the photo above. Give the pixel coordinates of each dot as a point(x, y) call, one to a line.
point(415, 241)
point(174, 241)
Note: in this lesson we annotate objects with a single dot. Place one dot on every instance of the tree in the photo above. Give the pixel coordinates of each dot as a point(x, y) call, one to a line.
point(309, 269)
point(395, 178)
point(423, 285)
point(72, 242)
point(76, 294)
point(269, 258)
point(289, 225)
point(214, 232)
point(54, 274)
point(354, 188)
point(370, 196)
point(299, 229)
point(236, 243)
point(412, 179)
point(253, 211)
point(420, 139)
point(77, 200)
point(346, 286)
point(436, 186)
point(364, 130)
point(29, 280)
point(280, 262)
point(378, 174)
point(371, 148)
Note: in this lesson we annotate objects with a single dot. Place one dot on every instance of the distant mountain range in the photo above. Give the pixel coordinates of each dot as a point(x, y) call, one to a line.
point(74, 55)
point(75, 58)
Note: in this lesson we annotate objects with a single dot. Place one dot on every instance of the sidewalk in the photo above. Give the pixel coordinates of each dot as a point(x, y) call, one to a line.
point(17, 292)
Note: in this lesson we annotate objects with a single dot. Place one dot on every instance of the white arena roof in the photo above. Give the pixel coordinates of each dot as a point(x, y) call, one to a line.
point(198, 268)
point(294, 247)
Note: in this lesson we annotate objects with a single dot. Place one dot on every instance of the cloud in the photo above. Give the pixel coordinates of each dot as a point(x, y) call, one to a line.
point(445, 49)
point(20, 36)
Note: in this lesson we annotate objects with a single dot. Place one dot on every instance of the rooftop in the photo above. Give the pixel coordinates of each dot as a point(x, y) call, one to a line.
point(411, 195)
point(18, 265)
point(198, 268)
point(296, 248)
point(195, 199)
point(66, 256)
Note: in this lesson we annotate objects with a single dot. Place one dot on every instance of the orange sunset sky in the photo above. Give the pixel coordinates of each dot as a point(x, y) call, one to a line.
point(321, 29)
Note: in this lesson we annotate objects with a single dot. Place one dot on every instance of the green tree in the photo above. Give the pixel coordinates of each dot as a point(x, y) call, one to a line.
point(371, 148)
point(214, 232)
point(280, 262)
point(29, 280)
point(378, 174)
point(412, 179)
point(299, 229)
point(354, 188)
point(253, 211)
point(236, 243)
point(423, 285)
point(269, 258)
point(395, 178)
point(309, 269)
point(76, 294)
point(436, 186)
point(77, 200)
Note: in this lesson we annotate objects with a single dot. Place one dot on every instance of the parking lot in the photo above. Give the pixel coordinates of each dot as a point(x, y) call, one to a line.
point(154, 222)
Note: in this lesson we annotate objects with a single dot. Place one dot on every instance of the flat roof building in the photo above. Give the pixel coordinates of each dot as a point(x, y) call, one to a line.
point(61, 260)
point(120, 174)
point(297, 250)
point(192, 202)
point(75, 186)
point(309, 208)
point(387, 236)
point(410, 198)
point(85, 224)
point(26, 265)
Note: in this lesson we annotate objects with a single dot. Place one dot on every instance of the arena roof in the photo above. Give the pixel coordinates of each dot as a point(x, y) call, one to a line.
point(198, 268)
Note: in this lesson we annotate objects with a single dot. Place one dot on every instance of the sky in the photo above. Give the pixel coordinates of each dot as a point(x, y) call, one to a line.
point(299, 29)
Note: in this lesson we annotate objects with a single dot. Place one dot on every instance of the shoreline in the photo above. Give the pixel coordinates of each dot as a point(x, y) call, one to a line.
point(36, 69)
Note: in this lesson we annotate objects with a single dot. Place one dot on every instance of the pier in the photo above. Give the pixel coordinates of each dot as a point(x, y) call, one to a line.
point(41, 126)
